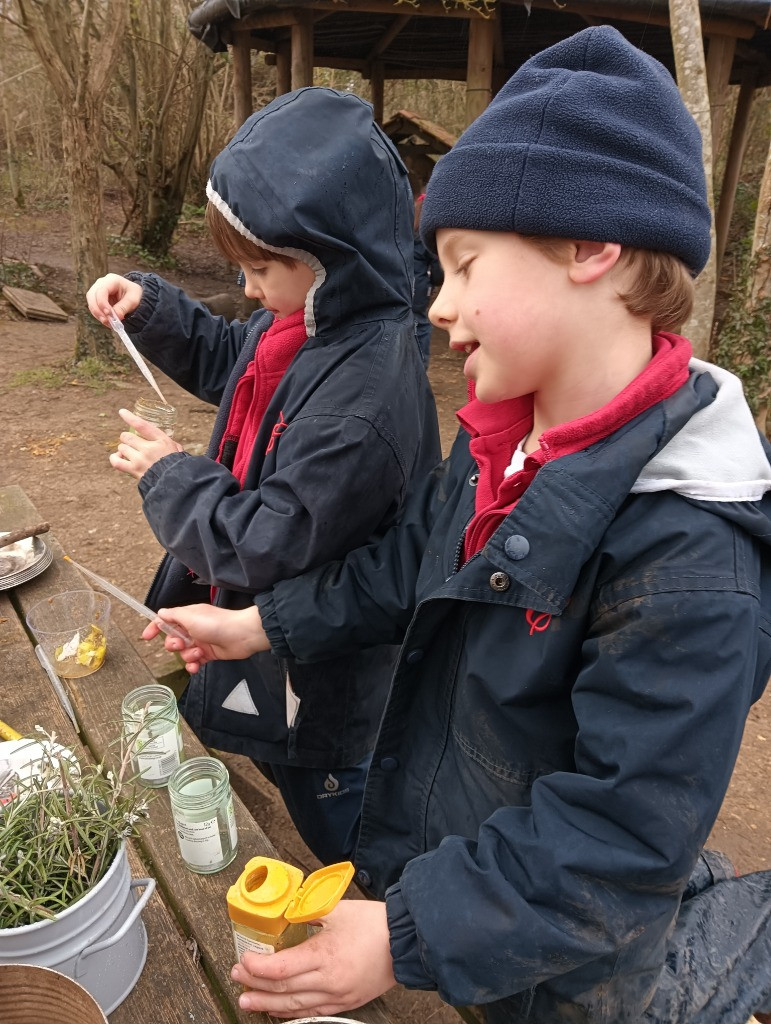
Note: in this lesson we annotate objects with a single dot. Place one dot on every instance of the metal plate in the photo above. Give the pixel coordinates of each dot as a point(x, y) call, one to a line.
point(42, 556)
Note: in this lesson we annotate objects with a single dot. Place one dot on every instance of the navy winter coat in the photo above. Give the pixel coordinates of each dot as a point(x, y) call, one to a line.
point(351, 422)
point(544, 780)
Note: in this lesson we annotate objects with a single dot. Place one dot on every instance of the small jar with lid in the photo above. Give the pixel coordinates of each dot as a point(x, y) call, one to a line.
point(151, 728)
point(204, 816)
point(154, 411)
point(270, 906)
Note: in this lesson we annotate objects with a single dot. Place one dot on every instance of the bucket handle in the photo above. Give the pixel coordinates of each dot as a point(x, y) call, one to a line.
point(137, 883)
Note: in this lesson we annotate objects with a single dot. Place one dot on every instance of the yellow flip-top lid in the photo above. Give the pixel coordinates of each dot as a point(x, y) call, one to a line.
point(269, 894)
point(320, 892)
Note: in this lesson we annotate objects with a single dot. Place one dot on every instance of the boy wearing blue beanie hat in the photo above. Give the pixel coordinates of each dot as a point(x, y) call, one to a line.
point(582, 593)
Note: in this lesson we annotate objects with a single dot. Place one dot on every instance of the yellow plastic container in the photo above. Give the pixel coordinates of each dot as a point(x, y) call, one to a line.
point(270, 905)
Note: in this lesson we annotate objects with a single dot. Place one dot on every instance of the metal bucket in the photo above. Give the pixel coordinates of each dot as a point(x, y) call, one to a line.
point(29, 995)
point(100, 941)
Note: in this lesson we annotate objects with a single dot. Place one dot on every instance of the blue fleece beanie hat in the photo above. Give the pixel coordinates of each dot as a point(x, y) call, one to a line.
point(589, 139)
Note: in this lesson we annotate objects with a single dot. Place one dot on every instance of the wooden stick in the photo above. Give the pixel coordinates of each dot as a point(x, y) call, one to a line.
point(23, 533)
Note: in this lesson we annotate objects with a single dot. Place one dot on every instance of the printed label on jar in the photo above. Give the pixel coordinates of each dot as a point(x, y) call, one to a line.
point(244, 944)
point(157, 758)
point(199, 841)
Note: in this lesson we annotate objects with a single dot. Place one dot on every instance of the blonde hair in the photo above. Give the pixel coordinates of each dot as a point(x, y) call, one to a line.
point(232, 244)
point(654, 285)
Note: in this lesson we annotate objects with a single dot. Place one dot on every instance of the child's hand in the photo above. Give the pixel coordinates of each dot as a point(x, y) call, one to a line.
point(137, 452)
point(112, 290)
point(219, 634)
point(343, 966)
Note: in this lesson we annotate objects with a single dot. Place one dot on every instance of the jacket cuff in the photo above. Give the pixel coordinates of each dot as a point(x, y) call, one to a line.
point(405, 946)
point(152, 475)
point(137, 321)
point(266, 605)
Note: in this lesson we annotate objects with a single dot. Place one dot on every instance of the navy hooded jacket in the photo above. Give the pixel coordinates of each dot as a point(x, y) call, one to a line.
point(567, 707)
point(350, 423)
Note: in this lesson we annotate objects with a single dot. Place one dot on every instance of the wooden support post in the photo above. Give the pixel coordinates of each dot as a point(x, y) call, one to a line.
point(479, 67)
point(283, 68)
point(733, 165)
point(302, 50)
point(720, 58)
point(242, 78)
point(377, 86)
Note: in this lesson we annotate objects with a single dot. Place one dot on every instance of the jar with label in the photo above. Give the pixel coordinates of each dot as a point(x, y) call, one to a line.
point(270, 906)
point(154, 411)
point(204, 817)
point(151, 728)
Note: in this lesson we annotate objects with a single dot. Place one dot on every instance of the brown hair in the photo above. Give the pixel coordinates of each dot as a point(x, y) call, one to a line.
point(232, 244)
point(656, 285)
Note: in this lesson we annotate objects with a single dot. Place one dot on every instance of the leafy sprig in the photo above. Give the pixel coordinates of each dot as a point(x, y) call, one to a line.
point(60, 833)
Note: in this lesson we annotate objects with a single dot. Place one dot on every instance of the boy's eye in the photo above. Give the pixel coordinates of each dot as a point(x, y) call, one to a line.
point(463, 265)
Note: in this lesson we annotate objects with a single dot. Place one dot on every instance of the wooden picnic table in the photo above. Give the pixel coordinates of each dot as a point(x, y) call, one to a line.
point(190, 949)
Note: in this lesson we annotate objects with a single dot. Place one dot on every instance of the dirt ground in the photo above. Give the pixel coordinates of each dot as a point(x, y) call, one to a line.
point(56, 442)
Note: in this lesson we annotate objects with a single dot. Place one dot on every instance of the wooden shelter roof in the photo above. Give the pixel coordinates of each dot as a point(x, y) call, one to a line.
point(405, 124)
point(430, 40)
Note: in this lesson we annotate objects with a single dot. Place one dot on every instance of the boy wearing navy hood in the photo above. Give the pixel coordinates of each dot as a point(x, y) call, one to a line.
point(325, 415)
point(581, 592)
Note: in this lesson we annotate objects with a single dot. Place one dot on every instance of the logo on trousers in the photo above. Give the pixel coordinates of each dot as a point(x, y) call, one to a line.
point(332, 788)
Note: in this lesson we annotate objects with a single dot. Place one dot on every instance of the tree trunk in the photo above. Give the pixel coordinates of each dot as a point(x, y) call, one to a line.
point(13, 162)
point(78, 55)
point(688, 47)
point(760, 288)
point(89, 245)
point(167, 95)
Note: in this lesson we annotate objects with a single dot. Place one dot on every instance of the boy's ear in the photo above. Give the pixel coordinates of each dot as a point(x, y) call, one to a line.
point(591, 260)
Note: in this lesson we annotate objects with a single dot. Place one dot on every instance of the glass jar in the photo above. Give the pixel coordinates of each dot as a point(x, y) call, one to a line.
point(154, 411)
point(204, 817)
point(151, 727)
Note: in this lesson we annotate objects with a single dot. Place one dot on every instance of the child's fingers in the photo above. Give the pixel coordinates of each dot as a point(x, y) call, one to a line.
point(151, 631)
point(149, 431)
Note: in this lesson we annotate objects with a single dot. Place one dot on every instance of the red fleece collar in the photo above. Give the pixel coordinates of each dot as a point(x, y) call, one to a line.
point(497, 428)
point(275, 351)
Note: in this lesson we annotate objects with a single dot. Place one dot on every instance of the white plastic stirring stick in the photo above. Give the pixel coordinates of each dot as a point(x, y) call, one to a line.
point(58, 686)
point(120, 330)
point(165, 627)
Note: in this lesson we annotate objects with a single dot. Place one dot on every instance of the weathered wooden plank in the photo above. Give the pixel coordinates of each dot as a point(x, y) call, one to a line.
point(33, 305)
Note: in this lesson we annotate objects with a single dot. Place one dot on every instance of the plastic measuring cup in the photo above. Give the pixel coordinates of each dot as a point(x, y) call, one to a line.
point(72, 630)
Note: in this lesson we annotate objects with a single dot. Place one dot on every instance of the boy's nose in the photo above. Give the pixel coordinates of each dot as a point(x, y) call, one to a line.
point(440, 310)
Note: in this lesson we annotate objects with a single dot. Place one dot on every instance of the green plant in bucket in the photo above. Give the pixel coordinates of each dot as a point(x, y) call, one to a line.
point(62, 830)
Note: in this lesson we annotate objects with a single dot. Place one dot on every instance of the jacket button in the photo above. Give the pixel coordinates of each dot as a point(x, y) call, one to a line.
point(414, 656)
point(517, 547)
point(499, 581)
point(364, 878)
point(473, 480)
point(389, 764)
